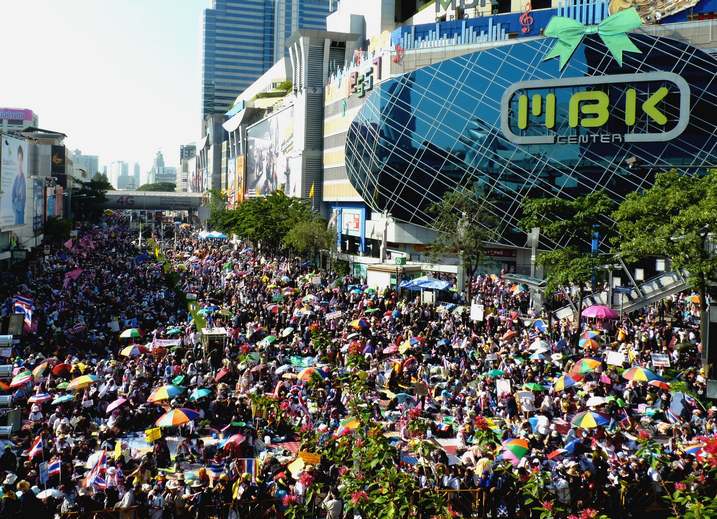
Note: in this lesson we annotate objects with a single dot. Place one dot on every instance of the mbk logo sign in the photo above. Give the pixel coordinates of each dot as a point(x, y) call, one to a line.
point(444, 5)
point(642, 111)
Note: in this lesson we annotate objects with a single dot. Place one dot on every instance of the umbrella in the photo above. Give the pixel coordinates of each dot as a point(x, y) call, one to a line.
point(166, 392)
point(177, 417)
point(586, 365)
point(600, 312)
point(235, 439)
point(402, 398)
point(63, 385)
point(274, 308)
point(114, 405)
point(564, 382)
point(590, 334)
point(694, 448)
point(199, 393)
point(133, 350)
point(82, 382)
point(515, 449)
point(38, 398)
point(495, 373)
point(287, 331)
point(660, 384)
point(589, 420)
point(62, 399)
point(539, 345)
point(589, 344)
point(389, 350)
point(174, 330)
point(130, 333)
point(537, 356)
point(61, 369)
point(21, 379)
point(308, 374)
point(221, 374)
point(269, 339)
point(534, 386)
point(309, 298)
point(595, 401)
point(639, 374)
point(360, 324)
point(50, 492)
point(39, 370)
point(179, 379)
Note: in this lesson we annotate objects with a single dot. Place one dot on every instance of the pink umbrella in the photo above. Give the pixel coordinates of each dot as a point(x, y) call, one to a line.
point(600, 312)
point(114, 405)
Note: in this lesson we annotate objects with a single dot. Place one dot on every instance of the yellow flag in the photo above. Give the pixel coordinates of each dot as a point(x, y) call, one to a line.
point(118, 449)
point(152, 434)
point(311, 191)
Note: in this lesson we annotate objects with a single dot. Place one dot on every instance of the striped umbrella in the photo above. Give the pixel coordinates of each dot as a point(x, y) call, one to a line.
point(588, 420)
point(591, 344)
point(360, 324)
point(82, 382)
point(586, 365)
point(563, 382)
point(166, 392)
point(21, 379)
point(639, 374)
point(515, 449)
point(38, 398)
point(130, 333)
point(39, 370)
point(133, 350)
point(309, 374)
point(177, 417)
point(694, 448)
point(590, 334)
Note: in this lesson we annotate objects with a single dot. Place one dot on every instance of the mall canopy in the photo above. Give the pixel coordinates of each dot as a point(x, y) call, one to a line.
point(425, 283)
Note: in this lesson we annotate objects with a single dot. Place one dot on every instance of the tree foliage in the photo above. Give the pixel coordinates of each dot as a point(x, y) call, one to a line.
point(57, 229)
point(89, 197)
point(310, 237)
point(464, 225)
point(158, 186)
point(674, 218)
point(571, 266)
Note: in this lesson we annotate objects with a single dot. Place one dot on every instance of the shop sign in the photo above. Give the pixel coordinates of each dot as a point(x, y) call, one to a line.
point(361, 82)
point(575, 110)
point(444, 5)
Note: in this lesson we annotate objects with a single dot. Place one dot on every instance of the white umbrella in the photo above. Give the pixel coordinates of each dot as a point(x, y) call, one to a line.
point(539, 344)
point(595, 401)
point(50, 492)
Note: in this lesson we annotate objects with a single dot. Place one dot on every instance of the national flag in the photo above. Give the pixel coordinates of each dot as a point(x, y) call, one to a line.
point(94, 473)
point(36, 448)
point(25, 306)
point(248, 466)
point(54, 468)
point(68, 244)
point(71, 276)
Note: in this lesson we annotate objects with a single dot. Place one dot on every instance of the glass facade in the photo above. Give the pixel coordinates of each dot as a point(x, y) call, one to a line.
point(431, 130)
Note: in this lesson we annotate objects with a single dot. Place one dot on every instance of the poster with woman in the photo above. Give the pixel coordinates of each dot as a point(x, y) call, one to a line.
point(13, 181)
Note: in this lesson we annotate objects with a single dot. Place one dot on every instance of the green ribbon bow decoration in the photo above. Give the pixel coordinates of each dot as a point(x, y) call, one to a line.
point(612, 29)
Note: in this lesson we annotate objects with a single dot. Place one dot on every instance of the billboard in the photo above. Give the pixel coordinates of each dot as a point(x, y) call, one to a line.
point(231, 183)
point(239, 179)
point(57, 165)
point(13, 182)
point(38, 199)
point(271, 164)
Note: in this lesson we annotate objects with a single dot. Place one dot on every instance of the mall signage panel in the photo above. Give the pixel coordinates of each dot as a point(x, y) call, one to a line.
point(648, 107)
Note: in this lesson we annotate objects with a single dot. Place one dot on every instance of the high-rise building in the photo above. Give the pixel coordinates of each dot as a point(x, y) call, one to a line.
point(292, 15)
point(118, 174)
point(160, 172)
point(187, 167)
point(136, 175)
point(88, 164)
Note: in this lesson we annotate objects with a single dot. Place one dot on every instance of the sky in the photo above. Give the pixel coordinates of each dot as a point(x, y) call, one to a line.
point(122, 78)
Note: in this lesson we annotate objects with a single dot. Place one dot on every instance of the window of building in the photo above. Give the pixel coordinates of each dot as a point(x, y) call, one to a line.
point(541, 4)
point(501, 6)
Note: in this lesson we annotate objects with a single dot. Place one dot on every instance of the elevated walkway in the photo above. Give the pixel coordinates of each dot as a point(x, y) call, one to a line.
point(630, 299)
point(153, 200)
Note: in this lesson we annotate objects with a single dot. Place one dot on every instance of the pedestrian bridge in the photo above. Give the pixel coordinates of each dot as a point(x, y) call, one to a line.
point(153, 200)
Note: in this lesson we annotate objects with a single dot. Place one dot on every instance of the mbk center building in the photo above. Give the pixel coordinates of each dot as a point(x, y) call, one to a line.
point(582, 109)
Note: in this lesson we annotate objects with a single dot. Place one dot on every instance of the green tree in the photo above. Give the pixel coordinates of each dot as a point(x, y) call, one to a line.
point(464, 225)
point(57, 229)
point(676, 218)
point(571, 267)
point(88, 199)
point(217, 209)
point(310, 237)
point(158, 186)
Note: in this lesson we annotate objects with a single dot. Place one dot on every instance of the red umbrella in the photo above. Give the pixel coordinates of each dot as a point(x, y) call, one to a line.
point(235, 440)
point(509, 335)
point(114, 405)
point(660, 384)
point(61, 369)
point(220, 374)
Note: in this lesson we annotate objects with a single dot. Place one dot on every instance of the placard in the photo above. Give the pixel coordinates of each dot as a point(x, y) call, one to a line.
point(477, 312)
point(660, 360)
point(333, 315)
point(615, 358)
point(43, 473)
point(502, 386)
point(152, 434)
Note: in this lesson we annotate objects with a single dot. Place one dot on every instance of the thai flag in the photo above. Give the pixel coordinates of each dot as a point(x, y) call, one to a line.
point(94, 474)
point(54, 468)
point(100, 483)
point(36, 447)
point(247, 465)
point(24, 305)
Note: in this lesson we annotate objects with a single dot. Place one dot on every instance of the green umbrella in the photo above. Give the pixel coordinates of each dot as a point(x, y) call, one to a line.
point(178, 380)
point(495, 373)
point(63, 385)
point(270, 339)
point(130, 333)
point(533, 386)
point(371, 311)
point(174, 331)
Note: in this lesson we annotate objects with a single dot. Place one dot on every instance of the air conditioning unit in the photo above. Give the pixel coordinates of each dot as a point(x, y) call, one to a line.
point(6, 371)
point(5, 400)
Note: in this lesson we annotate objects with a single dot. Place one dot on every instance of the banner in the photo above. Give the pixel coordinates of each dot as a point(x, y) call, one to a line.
point(13, 182)
point(38, 199)
point(660, 360)
point(150, 435)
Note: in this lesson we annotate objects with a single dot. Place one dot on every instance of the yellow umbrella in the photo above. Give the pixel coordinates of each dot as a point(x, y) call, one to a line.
point(82, 382)
point(38, 371)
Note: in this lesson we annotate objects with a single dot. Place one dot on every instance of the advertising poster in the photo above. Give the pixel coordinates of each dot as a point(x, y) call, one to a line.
point(38, 199)
point(231, 184)
point(57, 165)
point(270, 149)
point(13, 181)
point(239, 179)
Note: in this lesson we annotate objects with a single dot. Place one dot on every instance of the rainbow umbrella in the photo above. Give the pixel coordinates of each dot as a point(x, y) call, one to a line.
point(515, 449)
point(21, 379)
point(39, 370)
point(589, 420)
point(38, 398)
point(563, 382)
point(130, 333)
point(586, 365)
point(694, 448)
point(114, 405)
point(177, 417)
point(166, 392)
point(133, 350)
point(82, 382)
point(590, 334)
point(639, 374)
point(309, 374)
point(589, 343)
point(360, 324)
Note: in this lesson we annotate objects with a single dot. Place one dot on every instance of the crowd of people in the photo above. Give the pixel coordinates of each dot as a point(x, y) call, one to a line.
point(125, 404)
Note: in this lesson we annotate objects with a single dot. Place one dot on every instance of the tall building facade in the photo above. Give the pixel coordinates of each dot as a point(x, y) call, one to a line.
point(136, 175)
point(118, 174)
point(160, 172)
point(89, 164)
point(292, 15)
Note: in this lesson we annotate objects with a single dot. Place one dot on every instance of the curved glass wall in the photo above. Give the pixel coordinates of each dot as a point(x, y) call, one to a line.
point(439, 127)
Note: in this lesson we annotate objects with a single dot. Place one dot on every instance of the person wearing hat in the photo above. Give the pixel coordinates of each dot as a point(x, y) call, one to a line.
point(30, 506)
point(9, 504)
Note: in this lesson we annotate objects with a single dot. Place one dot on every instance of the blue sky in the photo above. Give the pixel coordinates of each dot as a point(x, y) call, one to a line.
point(122, 78)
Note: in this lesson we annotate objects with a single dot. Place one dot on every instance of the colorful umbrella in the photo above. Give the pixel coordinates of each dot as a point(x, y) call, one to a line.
point(177, 417)
point(166, 392)
point(533, 386)
point(39, 370)
point(660, 384)
point(114, 405)
point(600, 312)
point(309, 374)
point(133, 350)
point(81, 382)
point(174, 330)
point(360, 324)
point(62, 399)
point(589, 420)
point(586, 365)
point(639, 374)
point(515, 449)
point(389, 350)
point(61, 369)
point(694, 448)
point(199, 393)
point(21, 379)
point(130, 333)
point(590, 334)
point(591, 344)
point(38, 398)
point(563, 382)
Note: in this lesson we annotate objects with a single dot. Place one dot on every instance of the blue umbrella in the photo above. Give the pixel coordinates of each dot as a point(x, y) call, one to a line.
point(62, 399)
point(200, 393)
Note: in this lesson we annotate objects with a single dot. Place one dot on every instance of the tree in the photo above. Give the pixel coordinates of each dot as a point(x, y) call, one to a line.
point(464, 225)
point(89, 197)
point(675, 218)
point(57, 229)
point(158, 186)
point(310, 237)
point(571, 267)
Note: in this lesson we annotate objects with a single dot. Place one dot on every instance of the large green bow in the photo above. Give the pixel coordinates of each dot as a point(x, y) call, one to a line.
point(612, 31)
